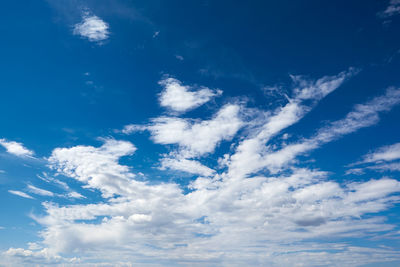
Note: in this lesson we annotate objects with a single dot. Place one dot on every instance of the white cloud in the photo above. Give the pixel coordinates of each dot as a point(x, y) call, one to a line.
point(362, 115)
point(220, 222)
point(70, 193)
point(74, 194)
point(197, 138)
point(392, 9)
point(185, 165)
point(226, 218)
point(181, 98)
point(16, 148)
point(93, 28)
point(95, 166)
point(19, 193)
point(386, 153)
point(384, 167)
point(250, 152)
point(40, 191)
point(379, 160)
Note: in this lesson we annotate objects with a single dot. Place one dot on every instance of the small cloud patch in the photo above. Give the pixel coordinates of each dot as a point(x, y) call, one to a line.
point(93, 28)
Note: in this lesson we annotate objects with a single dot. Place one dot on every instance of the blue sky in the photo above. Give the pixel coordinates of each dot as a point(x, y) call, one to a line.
point(200, 133)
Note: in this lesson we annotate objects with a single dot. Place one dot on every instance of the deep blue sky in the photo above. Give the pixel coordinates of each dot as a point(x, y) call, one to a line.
point(62, 88)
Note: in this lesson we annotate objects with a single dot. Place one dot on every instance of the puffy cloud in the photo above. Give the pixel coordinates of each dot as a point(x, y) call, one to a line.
point(98, 167)
point(19, 256)
point(20, 193)
point(16, 148)
point(272, 214)
point(226, 217)
point(93, 28)
point(181, 98)
point(197, 138)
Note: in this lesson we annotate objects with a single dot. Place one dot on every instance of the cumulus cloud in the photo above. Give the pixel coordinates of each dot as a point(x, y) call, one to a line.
point(16, 148)
point(20, 193)
point(218, 216)
point(92, 27)
point(178, 97)
point(95, 166)
point(234, 216)
point(194, 138)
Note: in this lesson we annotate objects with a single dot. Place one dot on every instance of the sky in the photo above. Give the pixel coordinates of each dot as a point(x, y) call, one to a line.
point(200, 133)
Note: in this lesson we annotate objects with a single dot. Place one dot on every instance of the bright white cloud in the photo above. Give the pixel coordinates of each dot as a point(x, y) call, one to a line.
point(250, 152)
point(181, 98)
point(95, 166)
point(362, 115)
point(93, 28)
point(20, 193)
point(226, 217)
point(197, 138)
point(219, 216)
point(16, 148)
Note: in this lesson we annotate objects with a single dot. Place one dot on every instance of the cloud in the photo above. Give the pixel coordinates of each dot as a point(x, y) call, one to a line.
point(379, 160)
point(219, 216)
point(234, 216)
point(93, 28)
point(16, 148)
point(19, 256)
point(70, 193)
point(386, 153)
point(194, 138)
point(250, 152)
point(98, 167)
point(392, 9)
point(39, 191)
point(181, 98)
point(19, 193)
point(362, 115)
point(185, 165)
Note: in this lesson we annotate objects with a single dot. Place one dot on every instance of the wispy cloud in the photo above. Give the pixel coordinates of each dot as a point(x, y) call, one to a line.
point(16, 148)
point(379, 160)
point(20, 193)
point(40, 191)
point(251, 153)
point(362, 115)
point(92, 27)
point(392, 9)
point(185, 165)
point(386, 153)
